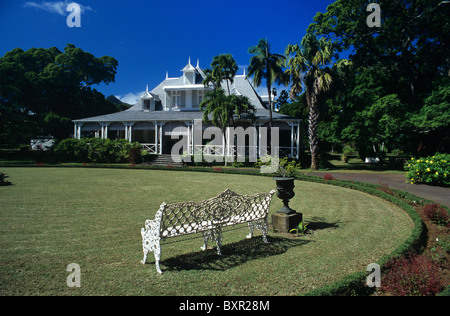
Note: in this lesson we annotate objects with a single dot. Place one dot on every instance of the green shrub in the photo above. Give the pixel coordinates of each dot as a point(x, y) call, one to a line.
point(346, 152)
point(96, 150)
point(3, 176)
point(429, 170)
point(68, 150)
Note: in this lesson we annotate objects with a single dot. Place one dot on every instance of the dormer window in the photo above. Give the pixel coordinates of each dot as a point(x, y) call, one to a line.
point(146, 105)
point(189, 73)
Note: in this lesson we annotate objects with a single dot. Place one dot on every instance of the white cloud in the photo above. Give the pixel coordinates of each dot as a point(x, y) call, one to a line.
point(58, 7)
point(130, 98)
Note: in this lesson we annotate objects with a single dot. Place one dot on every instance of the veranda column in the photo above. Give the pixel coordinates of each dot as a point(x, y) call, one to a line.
point(259, 140)
point(192, 138)
point(130, 134)
point(255, 141)
point(230, 144)
point(189, 137)
point(78, 130)
point(105, 130)
point(126, 130)
point(156, 137)
point(298, 139)
point(161, 124)
point(291, 124)
point(223, 146)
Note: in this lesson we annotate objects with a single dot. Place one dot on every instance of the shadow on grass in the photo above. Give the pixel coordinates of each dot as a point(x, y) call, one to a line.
point(318, 223)
point(234, 254)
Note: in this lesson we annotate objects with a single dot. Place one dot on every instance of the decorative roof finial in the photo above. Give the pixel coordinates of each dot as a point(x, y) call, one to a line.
point(198, 63)
point(167, 74)
point(146, 88)
point(189, 62)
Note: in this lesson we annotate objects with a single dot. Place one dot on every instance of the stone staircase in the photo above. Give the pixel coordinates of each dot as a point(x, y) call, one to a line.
point(165, 160)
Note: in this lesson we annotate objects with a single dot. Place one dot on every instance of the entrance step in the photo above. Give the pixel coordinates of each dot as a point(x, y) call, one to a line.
point(166, 160)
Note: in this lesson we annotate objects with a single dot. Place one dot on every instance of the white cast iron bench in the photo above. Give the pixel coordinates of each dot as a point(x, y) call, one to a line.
point(207, 217)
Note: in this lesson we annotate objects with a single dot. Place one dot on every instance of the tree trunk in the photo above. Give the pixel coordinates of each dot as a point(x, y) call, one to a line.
point(313, 124)
point(270, 104)
point(225, 147)
point(269, 134)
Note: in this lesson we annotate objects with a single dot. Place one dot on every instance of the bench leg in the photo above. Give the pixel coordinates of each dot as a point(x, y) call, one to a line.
point(206, 236)
point(218, 238)
point(157, 253)
point(151, 243)
point(261, 225)
point(215, 233)
point(264, 229)
point(251, 227)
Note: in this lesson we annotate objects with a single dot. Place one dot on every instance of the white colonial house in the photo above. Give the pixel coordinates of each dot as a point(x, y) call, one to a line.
point(171, 110)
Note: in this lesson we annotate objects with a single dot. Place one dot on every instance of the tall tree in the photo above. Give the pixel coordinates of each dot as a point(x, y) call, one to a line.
point(225, 110)
point(310, 67)
point(223, 68)
point(267, 66)
point(397, 68)
point(42, 90)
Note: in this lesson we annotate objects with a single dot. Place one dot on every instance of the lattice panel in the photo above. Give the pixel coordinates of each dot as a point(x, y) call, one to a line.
point(228, 208)
point(207, 217)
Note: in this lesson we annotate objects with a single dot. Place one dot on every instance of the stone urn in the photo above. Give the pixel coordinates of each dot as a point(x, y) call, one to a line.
point(285, 191)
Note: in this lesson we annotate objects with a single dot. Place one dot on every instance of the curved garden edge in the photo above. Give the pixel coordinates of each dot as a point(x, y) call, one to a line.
point(353, 284)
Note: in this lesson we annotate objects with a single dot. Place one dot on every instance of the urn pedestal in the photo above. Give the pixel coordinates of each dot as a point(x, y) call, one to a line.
point(283, 223)
point(286, 218)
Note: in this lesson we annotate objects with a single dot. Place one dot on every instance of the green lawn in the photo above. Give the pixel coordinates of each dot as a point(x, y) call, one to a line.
point(51, 217)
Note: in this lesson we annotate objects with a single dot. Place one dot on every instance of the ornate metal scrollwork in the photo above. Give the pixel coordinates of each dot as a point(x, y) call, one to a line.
point(207, 217)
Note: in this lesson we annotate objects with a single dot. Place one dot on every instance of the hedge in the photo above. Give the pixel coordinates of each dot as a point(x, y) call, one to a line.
point(96, 150)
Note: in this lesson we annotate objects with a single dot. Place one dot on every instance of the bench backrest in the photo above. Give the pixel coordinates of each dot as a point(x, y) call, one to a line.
point(228, 208)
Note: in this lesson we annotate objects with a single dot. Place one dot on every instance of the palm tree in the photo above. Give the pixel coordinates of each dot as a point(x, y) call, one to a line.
point(309, 68)
point(225, 109)
point(267, 66)
point(223, 67)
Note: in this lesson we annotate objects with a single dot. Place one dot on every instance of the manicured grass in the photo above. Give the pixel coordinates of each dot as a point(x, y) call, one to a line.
point(51, 217)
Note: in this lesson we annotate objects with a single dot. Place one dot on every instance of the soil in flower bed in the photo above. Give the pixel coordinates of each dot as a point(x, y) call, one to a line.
point(434, 232)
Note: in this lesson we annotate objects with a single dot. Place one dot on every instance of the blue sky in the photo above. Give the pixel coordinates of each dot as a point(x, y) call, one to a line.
point(150, 38)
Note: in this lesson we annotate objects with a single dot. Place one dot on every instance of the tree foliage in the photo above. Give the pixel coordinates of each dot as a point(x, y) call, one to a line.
point(223, 68)
point(311, 68)
point(397, 91)
point(224, 109)
point(42, 90)
point(266, 66)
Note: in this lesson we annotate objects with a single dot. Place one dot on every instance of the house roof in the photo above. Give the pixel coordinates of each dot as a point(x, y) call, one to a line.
point(145, 116)
point(240, 86)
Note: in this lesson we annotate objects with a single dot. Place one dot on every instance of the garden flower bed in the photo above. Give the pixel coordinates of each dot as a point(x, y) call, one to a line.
point(433, 170)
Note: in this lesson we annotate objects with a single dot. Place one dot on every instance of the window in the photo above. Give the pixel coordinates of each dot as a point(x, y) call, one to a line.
point(200, 97)
point(176, 98)
point(146, 105)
